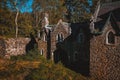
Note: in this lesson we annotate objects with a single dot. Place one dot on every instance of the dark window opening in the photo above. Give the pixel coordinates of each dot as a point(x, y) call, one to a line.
point(80, 38)
point(111, 38)
point(59, 38)
point(75, 56)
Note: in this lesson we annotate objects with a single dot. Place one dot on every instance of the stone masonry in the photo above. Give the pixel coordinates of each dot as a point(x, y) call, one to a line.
point(105, 58)
point(12, 46)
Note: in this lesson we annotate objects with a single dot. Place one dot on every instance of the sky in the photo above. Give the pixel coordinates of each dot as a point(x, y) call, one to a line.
point(28, 5)
point(90, 2)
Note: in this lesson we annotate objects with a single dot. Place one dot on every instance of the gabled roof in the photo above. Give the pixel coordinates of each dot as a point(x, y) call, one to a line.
point(107, 12)
point(107, 7)
point(101, 25)
point(102, 10)
point(64, 25)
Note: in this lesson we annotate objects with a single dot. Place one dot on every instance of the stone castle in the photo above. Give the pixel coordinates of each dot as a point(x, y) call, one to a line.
point(90, 48)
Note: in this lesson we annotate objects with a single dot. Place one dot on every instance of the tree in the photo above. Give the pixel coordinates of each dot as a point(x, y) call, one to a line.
point(6, 21)
point(94, 4)
point(77, 10)
point(15, 6)
point(25, 24)
point(16, 17)
point(54, 8)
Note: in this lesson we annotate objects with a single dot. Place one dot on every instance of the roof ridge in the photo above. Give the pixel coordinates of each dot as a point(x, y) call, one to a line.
point(111, 3)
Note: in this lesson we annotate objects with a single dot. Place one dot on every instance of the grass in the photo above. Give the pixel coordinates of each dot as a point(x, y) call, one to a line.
point(33, 66)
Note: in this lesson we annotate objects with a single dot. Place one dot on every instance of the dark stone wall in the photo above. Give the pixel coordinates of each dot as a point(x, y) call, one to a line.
point(104, 58)
point(2, 47)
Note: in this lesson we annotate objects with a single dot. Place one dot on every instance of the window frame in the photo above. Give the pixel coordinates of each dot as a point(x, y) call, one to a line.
point(107, 38)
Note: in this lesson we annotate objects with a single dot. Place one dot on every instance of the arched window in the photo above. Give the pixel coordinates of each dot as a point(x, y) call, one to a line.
point(80, 38)
point(59, 37)
point(111, 38)
point(45, 38)
point(41, 51)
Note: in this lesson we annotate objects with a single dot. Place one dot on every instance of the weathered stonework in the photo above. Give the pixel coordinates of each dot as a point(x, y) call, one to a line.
point(42, 46)
point(47, 42)
point(61, 30)
point(105, 58)
point(88, 49)
point(12, 46)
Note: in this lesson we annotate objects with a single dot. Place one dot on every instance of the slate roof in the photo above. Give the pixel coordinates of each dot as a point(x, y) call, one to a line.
point(107, 7)
point(104, 13)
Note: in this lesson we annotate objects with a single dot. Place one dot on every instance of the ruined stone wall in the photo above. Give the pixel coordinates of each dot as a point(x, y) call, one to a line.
point(12, 46)
point(42, 45)
point(58, 30)
point(104, 58)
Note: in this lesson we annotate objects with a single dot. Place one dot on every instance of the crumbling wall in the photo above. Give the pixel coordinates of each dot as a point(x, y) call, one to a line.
point(13, 46)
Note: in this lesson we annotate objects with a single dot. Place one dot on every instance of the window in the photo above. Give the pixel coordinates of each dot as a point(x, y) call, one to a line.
point(75, 56)
point(45, 38)
point(110, 38)
point(80, 38)
point(59, 37)
point(41, 51)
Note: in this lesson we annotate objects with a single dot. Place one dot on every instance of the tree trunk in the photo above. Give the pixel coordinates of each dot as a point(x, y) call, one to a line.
point(16, 24)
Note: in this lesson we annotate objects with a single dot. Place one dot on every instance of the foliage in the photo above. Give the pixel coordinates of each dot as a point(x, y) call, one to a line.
point(73, 10)
point(47, 70)
point(50, 71)
point(30, 56)
point(55, 9)
point(77, 10)
point(33, 66)
point(7, 20)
